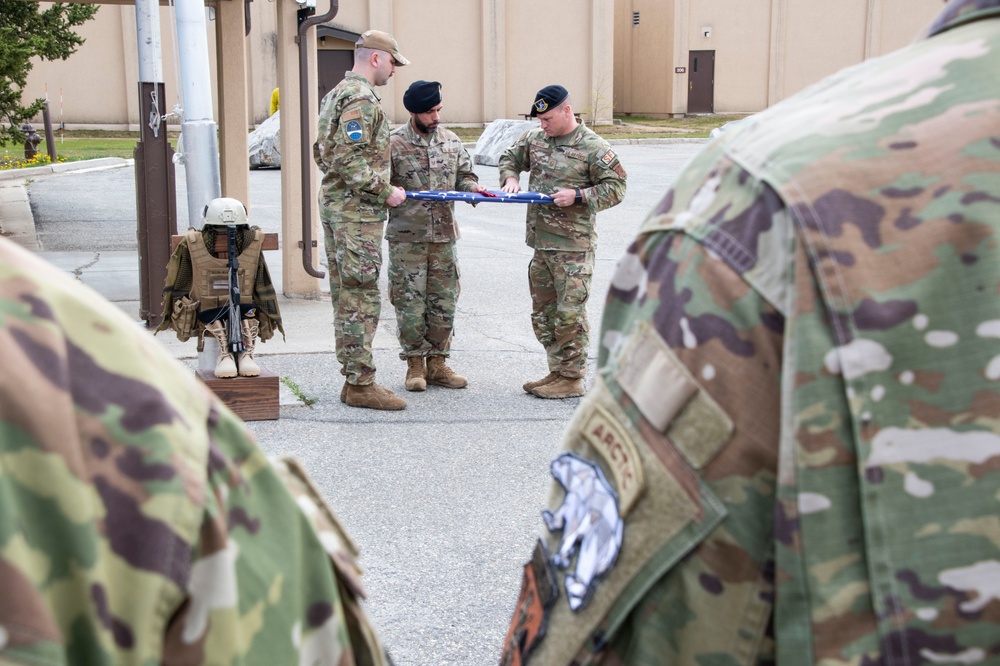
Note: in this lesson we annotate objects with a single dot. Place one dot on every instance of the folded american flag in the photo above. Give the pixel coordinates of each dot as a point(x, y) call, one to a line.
point(491, 196)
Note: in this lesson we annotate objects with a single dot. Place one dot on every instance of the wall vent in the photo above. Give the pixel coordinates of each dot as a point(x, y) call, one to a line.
point(635, 19)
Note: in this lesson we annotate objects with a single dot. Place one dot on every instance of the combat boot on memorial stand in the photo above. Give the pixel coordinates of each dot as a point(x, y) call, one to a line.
point(416, 373)
point(225, 365)
point(439, 374)
point(563, 387)
point(247, 365)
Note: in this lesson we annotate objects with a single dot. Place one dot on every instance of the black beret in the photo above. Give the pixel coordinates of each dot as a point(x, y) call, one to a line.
point(547, 98)
point(422, 96)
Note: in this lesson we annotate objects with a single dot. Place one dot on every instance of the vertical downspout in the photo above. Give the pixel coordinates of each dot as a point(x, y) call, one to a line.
point(306, 148)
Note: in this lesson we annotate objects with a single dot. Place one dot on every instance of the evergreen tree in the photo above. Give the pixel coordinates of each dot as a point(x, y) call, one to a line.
point(27, 31)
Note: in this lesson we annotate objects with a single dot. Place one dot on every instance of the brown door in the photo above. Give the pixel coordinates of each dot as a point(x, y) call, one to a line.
point(332, 65)
point(701, 82)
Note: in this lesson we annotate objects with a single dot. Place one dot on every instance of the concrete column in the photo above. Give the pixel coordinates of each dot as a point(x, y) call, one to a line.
point(130, 45)
point(776, 70)
point(494, 17)
point(602, 60)
point(380, 17)
point(234, 110)
point(295, 280)
point(679, 91)
point(873, 29)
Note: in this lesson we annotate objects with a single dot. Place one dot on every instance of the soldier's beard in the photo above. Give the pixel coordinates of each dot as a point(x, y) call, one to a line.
point(424, 129)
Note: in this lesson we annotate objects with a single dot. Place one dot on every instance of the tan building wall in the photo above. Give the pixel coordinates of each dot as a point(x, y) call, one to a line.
point(491, 56)
point(765, 50)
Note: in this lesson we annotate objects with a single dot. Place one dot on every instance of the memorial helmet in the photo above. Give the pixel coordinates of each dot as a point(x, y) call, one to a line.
point(224, 210)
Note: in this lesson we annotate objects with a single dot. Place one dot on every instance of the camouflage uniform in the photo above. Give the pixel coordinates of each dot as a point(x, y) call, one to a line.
point(564, 238)
point(139, 522)
point(797, 405)
point(353, 152)
point(423, 265)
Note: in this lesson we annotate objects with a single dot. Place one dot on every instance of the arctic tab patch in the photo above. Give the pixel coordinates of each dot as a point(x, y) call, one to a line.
point(613, 443)
point(353, 130)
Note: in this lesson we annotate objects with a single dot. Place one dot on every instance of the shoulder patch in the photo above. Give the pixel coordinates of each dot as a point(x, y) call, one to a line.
point(350, 115)
point(616, 447)
point(673, 513)
point(353, 130)
point(608, 157)
point(531, 615)
point(589, 523)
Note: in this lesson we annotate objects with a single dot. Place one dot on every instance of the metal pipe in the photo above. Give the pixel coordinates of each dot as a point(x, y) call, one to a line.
point(199, 131)
point(306, 148)
point(147, 28)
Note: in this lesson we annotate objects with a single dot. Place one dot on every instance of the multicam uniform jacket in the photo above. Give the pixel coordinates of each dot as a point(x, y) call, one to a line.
point(581, 159)
point(437, 161)
point(352, 150)
point(139, 522)
point(793, 445)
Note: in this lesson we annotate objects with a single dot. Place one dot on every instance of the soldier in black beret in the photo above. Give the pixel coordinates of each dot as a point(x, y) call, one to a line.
point(423, 263)
point(582, 174)
point(422, 96)
point(547, 98)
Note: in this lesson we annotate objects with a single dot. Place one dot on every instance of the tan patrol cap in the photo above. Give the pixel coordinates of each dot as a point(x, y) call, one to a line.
point(382, 41)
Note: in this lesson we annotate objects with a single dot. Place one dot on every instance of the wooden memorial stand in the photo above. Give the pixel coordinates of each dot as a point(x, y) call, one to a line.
point(250, 398)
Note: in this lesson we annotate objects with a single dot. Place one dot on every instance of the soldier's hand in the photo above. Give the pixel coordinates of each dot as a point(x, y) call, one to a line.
point(478, 189)
point(511, 185)
point(564, 197)
point(397, 197)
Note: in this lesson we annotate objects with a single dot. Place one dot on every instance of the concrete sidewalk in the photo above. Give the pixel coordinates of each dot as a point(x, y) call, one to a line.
point(443, 497)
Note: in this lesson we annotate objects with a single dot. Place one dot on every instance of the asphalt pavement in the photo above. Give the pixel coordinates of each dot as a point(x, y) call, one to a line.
point(442, 498)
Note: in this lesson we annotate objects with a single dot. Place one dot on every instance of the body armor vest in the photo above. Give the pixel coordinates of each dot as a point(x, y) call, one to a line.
point(210, 279)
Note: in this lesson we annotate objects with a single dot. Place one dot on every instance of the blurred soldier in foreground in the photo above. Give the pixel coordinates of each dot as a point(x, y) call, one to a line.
point(139, 522)
point(352, 150)
point(581, 172)
point(423, 263)
point(791, 454)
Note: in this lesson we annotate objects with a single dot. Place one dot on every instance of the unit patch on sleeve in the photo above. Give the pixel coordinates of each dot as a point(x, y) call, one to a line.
point(538, 593)
point(353, 130)
point(590, 524)
point(608, 158)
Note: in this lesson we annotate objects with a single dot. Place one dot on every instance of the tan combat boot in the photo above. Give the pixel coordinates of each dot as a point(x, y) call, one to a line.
point(563, 387)
point(440, 374)
point(248, 367)
point(372, 396)
point(225, 365)
point(416, 372)
point(547, 379)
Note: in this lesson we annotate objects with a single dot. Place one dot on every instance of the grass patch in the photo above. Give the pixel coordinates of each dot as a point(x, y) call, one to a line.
point(308, 401)
point(76, 145)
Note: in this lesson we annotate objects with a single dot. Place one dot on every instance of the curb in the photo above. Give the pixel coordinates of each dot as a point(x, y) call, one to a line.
point(65, 167)
point(16, 220)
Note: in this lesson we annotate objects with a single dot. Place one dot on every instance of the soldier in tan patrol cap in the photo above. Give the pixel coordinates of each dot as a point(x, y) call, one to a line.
point(352, 150)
